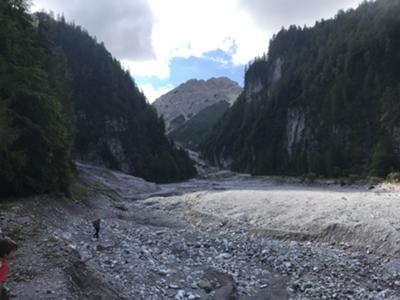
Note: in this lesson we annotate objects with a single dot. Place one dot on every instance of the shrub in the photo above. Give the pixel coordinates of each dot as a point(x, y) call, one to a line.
point(393, 177)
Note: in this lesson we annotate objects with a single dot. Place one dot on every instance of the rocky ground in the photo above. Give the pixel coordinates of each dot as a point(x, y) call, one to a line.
point(153, 248)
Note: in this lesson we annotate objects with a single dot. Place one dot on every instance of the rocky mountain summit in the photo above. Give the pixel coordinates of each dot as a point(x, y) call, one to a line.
point(185, 102)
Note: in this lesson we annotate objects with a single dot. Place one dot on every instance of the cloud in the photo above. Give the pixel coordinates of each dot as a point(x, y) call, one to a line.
point(125, 26)
point(148, 36)
point(153, 93)
point(272, 14)
point(192, 28)
point(154, 67)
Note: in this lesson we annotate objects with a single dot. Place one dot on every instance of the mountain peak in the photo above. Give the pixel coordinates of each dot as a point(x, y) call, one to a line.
point(194, 95)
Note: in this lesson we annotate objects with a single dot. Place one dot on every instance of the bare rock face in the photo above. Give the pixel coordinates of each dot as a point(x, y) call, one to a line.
point(187, 100)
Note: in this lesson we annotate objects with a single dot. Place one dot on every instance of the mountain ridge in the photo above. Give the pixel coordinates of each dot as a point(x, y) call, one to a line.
point(189, 98)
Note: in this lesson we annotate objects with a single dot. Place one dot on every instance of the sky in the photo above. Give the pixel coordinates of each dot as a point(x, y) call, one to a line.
point(164, 43)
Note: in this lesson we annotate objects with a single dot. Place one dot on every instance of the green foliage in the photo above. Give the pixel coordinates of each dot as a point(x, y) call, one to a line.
point(112, 118)
point(393, 177)
point(310, 177)
point(329, 101)
point(222, 138)
point(79, 191)
point(353, 178)
point(374, 180)
point(166, 165)
point(383, 159)
point(194, 131)
point(35, 115)
point(114, 123)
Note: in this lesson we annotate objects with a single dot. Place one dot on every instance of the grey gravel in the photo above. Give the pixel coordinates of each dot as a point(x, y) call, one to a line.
point(149, 253)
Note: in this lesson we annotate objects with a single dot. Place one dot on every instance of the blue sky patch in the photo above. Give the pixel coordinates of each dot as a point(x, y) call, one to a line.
point(213, 64)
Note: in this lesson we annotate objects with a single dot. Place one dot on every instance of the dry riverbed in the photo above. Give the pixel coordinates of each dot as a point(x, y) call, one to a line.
point(228, 238)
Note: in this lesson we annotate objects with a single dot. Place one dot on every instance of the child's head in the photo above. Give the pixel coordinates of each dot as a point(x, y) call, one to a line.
point(8, 249)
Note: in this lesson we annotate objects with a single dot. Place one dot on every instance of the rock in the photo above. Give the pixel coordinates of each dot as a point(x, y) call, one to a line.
point(205, 285)
point(224, 256)
point(173, 286)
point(191, 296)
point(288, 265)
point(180, 295)
point(162, 272)
point(194, 285)
point(121, 206)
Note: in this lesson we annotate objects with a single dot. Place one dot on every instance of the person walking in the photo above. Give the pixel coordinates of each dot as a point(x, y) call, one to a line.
point(96, 225)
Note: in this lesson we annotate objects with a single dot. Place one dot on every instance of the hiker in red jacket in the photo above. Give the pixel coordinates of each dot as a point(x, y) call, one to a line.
point(8, 249)
point(96, 225)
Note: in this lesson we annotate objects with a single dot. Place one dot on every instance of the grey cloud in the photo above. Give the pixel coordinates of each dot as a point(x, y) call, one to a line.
point(125, 26)
point(273, 14)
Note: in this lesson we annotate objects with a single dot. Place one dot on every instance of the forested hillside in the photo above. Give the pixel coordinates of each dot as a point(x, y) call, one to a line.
point(324, 100)
point(35, 114)
point(193, 131)
point(115, 126)
point(61, 92)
